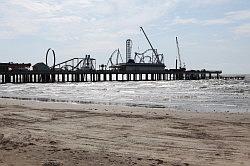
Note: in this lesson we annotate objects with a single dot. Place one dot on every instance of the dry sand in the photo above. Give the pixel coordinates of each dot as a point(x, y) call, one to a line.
point(52, 134)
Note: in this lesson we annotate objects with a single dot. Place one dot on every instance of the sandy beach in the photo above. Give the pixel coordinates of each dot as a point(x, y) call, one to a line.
point(53, 134)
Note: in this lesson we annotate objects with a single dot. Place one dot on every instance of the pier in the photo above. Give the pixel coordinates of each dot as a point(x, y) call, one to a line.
point(233, 77)
point(143, 66)
point(31, 76)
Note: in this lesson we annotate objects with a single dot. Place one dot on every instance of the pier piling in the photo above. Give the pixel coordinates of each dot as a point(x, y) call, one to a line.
point(101, 75)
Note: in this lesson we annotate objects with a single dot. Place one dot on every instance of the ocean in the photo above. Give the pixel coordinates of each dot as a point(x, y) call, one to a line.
point(195, 95)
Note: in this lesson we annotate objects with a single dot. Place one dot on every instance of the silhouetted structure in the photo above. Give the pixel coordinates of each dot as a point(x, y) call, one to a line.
point(143, 67)
point(5, 67)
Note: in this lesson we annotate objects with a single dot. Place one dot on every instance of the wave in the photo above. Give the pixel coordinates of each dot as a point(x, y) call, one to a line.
point(202, 95)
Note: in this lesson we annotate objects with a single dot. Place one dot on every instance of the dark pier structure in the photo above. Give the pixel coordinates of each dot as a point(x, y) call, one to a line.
point(103, 75)
point(146, 66)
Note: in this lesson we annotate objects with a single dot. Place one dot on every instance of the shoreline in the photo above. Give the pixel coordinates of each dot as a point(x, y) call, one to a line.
point(54, 102)
point(43, 133)
point(45, 100)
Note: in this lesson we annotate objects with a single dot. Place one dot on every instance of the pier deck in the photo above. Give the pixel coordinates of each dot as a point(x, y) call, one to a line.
point(103, 75)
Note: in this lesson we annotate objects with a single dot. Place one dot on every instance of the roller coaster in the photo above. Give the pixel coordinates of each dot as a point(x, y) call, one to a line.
point(145, 58)
point(73, 64)
point(115, 58)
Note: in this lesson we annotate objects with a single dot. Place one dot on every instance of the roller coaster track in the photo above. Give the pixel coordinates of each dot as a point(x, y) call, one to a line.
point(152, 59)
point(116, 53)
point(80, 62)
point(54, 57)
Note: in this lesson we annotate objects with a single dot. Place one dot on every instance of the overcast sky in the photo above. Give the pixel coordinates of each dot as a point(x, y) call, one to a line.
point(213, 34)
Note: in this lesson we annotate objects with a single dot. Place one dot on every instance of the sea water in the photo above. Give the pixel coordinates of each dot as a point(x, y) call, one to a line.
point(194, 95)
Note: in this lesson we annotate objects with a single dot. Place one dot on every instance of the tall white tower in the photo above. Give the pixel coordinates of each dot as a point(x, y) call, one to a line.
point(128, 49)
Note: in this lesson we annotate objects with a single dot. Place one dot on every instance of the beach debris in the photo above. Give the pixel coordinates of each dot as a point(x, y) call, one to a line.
point(53, 142)
point(52, 163)
point(1, 136)
point(159, 161)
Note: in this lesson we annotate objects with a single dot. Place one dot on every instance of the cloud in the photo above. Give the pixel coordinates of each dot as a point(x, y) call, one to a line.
point(52, 18)
point(238, 15)
point(205, 3)
point(36, 7)
point(216, 21)
point(243, 30)
point(229, 18)
point(185, 21)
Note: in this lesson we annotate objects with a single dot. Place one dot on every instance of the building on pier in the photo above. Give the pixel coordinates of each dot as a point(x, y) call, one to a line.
point(138, 67)
point(5, 67)
point(41, 67)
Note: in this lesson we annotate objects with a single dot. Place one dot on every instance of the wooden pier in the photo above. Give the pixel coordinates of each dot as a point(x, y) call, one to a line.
point(103, 75)
point(233, 77)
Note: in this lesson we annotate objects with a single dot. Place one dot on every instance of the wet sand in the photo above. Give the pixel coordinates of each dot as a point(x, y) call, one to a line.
point(53, 134)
